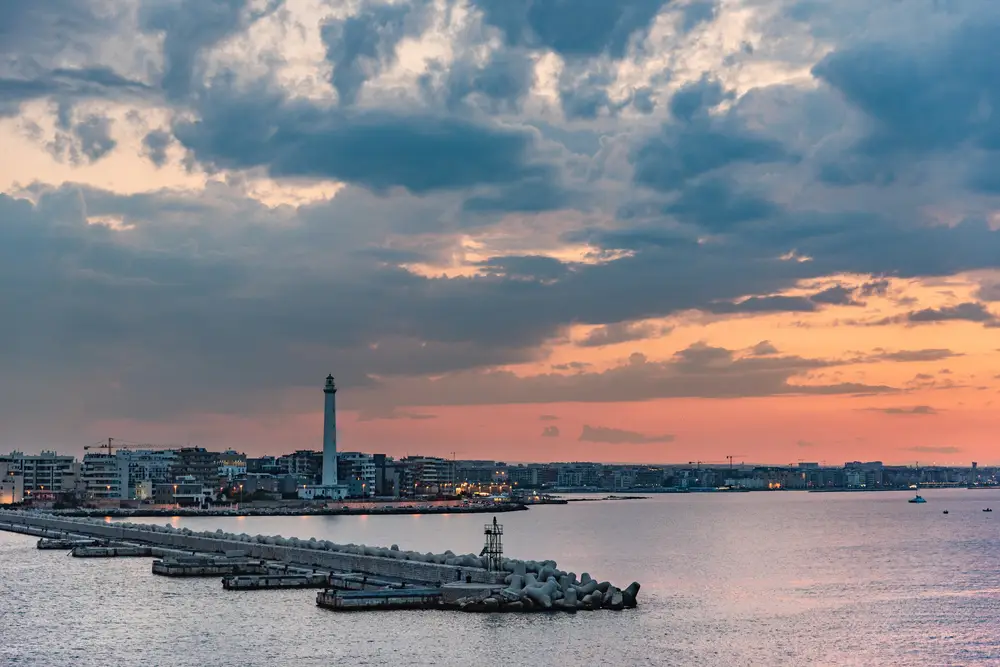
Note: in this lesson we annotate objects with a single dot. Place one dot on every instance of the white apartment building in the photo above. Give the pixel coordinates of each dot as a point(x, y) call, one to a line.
point(47, 472)
point(356, 470)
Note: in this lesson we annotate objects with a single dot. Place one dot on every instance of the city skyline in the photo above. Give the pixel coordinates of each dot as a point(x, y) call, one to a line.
point(660, 235)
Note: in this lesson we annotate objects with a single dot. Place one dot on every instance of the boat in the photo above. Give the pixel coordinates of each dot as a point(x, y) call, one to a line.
point(987, 510)
point(944, 512)
point(917, 499)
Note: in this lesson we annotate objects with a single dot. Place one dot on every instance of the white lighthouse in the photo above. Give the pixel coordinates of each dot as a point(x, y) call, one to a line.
point(330, 432)
point(328, 488)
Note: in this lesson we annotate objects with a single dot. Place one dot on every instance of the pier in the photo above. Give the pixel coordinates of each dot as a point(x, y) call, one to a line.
point(355, 577)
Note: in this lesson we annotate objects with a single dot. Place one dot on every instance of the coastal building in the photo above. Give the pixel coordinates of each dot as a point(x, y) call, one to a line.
point(185, 491)
point(45, 473)
point(357, 471)
point(11, 485)
point(304, 463)
point(105, 476)
point(145, 469)
point(329, 487)
point(426, 475)
point(198, 463)
point(232, 465)
point(263, 465)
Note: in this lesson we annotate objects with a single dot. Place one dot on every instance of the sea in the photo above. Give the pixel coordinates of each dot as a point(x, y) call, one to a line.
point(769, 578)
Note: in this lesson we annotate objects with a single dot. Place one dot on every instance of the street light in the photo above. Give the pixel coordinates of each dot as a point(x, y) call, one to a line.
point(241, 494)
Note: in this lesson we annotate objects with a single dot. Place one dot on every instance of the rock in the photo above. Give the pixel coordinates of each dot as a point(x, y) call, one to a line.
point(491, 604)
point(394, 547)
point(515, 605)
point(617, 600)
point(538, 597)
point(630, 594)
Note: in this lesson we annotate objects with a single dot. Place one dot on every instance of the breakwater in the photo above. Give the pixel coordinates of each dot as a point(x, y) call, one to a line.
point(124, 512)
point(465, 581)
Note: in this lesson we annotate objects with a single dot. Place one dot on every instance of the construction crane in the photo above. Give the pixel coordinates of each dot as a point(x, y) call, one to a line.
point(730, 458)
point(109, 445)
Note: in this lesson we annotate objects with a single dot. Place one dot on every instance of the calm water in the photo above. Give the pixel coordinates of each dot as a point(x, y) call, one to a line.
point(727, 579)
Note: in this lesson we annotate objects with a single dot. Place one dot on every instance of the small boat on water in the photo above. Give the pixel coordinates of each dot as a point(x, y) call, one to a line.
point(917, 499)
point(944, 512)
point(987, 510)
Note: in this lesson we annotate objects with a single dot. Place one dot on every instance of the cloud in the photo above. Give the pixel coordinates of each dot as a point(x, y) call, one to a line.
point(926, 449)
point(765, 304)
point(617, 436)
point(550, 432)
point(362, 45)
point(392, 413)
point(622, 332)
point(377, 149)
point(698, 371)
point(805, 444)
point(548, 418)
point(604, 26)
point(837, 295)
point(914, 410)
point(763, 348)
point(968, 311)
point(929, 354)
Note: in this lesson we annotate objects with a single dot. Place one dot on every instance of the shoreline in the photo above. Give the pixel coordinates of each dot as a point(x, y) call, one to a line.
point(274, 511)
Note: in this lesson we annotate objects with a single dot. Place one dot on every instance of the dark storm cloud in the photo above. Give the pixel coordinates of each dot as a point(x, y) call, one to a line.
point(500, 84)
point(377, 149)
point(620, 436)
point(696, 143)
point(363, 45)
point(68, 84)
point(837, 295)
point(699, 371)
point(622, 332)
point(927, 97)
point(969, 312)
point(191, 27)
point(600, 26)
point(716, 206)
point(155, 146)
point(764, 304)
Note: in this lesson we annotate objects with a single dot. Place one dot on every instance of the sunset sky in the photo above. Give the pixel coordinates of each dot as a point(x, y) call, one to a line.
point(530, 230)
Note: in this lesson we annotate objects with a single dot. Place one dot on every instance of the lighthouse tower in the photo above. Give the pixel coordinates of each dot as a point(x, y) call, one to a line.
point(330, 432)
point(328, 488)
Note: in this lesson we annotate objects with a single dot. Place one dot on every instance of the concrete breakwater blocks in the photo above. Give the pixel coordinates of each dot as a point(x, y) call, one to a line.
point(65, 544)
point(524, 585)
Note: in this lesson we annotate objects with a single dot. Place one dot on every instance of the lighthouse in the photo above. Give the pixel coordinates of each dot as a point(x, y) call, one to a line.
point(330, 432)
point(328, 488)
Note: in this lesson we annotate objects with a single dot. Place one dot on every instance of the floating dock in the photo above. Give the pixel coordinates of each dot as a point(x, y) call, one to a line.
point(268, 581)
point(407, 598)
point(193, 566)
point(66, 544)
point(110, 552)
